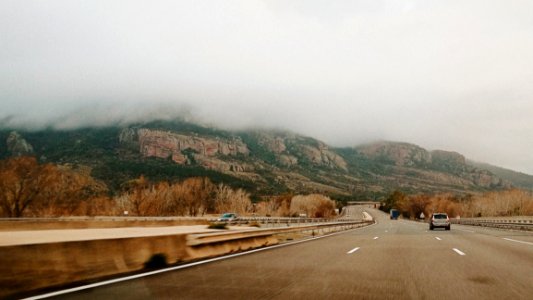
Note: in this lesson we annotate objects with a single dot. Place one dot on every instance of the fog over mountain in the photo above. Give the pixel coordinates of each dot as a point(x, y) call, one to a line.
point(452, 75)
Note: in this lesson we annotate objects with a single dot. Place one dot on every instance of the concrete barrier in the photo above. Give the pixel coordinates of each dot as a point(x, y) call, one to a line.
point(32, 267)
point(26, 269)
point(20, 224)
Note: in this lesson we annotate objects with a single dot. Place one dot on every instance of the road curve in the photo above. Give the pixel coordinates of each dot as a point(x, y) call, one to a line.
point(390, 260)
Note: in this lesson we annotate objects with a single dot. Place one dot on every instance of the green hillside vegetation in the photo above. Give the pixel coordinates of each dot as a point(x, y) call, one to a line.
point(365, 173)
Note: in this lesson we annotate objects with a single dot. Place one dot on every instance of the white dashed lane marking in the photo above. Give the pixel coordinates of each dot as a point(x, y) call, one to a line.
point(376, 237)
point(353, 250)
point(438, 238)
point(459, 251)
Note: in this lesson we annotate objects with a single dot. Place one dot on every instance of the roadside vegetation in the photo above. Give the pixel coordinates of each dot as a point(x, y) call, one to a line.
point(31, 189)
point(514, 202)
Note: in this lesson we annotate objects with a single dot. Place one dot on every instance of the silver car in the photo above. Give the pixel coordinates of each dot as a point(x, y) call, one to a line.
point(439, 220)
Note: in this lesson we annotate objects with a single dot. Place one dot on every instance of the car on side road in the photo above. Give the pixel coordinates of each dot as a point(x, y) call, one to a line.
point(439, 220)
point(228, 217)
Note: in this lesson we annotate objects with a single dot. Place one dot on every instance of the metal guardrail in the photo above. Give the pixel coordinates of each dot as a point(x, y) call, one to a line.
point(282, 220)
point(519, 224)
point(239, 221)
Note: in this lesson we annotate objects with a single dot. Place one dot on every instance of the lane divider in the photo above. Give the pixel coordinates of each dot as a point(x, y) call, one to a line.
point(459, 252)
point(517, 241)
point(353, 250)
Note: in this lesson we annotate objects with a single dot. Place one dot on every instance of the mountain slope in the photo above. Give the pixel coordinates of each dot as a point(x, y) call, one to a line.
point(261, 161)
point(518, 179)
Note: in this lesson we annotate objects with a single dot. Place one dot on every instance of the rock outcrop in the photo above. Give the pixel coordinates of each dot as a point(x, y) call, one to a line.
point(399, 154)
point(272, 143)
point(445, 167)
point(322, 155)
point(17, 145)
point(183, 149)
point(288, 148)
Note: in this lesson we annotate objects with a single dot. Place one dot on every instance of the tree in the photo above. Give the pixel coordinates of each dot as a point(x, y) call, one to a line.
point(68, 189)
point(139, 196)
point(314, 206)
point(393, 201)
point(22, 182)
point(229, 200)
point(413, 206)
point(198, 195)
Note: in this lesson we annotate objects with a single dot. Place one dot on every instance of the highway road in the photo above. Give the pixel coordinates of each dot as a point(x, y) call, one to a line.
point(389, 260)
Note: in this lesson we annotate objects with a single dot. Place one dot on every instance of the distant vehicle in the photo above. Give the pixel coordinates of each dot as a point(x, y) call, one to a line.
point(228, 217)
point(394, 214)
point(439, 220)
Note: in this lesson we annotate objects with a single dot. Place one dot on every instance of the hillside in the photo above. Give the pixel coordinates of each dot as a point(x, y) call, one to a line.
point(261, 161)
point(518, 179)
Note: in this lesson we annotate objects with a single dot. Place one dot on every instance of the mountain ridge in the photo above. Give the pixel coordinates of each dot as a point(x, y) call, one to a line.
point(265, 162)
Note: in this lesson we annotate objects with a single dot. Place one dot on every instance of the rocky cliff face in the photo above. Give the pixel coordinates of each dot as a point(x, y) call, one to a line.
point(322, 155)
point(445, 167)
point(399, 154)
point(17, 145)
point(291, 150)
point(182, 149)
point(271, 142)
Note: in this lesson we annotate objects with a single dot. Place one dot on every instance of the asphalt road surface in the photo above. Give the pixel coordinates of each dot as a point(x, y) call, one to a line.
point(389, 260)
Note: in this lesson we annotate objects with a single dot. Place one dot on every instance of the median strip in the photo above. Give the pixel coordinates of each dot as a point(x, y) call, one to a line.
point(353, 250)
point(459, 252)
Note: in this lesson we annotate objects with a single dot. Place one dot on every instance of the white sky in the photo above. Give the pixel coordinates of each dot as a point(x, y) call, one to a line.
point(452, 75)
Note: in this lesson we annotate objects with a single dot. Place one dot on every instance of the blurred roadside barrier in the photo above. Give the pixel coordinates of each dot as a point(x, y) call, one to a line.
point(521, 223)
point(31, 267)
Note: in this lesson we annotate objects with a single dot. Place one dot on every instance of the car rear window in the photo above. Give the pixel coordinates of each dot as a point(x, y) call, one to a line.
point(440, 216)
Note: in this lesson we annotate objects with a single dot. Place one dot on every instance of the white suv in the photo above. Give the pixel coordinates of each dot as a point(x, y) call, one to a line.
point(439, 220)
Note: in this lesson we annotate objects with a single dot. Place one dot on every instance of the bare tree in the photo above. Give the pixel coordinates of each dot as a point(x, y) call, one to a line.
point(22, 182)
point(229, 200)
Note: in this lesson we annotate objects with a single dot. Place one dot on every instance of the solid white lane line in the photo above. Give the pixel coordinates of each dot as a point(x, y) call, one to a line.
point(458, 251)
point(517, 241)
point(376, 237)
point(438, 238)
point(353, 250)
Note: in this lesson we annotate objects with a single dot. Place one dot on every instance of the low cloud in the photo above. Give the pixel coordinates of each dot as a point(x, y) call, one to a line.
point(441, 74)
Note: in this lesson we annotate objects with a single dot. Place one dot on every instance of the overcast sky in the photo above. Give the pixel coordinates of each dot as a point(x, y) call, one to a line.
point(452, 75)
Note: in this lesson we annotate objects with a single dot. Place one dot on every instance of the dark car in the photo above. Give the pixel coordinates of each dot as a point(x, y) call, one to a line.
point(439, 220)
